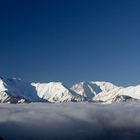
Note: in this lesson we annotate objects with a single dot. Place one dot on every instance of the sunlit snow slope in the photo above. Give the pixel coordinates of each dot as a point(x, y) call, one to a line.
point(17, 91)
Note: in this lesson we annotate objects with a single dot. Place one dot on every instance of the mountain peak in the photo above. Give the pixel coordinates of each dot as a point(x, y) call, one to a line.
point(14, 90)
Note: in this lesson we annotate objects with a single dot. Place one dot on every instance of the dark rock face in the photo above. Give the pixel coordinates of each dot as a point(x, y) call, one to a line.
point(124, 98)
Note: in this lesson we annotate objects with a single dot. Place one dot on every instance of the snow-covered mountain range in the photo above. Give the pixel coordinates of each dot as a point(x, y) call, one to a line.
point(13, 90)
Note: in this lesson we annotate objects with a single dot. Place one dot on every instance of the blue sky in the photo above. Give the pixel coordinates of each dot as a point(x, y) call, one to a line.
point(71, 40)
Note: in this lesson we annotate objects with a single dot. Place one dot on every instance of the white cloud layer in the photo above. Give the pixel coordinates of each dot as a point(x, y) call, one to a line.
point(84, 121)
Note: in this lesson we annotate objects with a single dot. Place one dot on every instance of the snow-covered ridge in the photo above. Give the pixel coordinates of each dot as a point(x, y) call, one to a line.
point(17, 91)
point(55, 92)
point(90, 89)
point(14, 90)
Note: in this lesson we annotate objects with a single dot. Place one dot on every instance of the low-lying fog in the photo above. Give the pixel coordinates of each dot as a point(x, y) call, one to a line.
point(83, 121)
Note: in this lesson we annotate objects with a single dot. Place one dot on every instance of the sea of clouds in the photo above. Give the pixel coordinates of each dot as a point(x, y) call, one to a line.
point(70, 121)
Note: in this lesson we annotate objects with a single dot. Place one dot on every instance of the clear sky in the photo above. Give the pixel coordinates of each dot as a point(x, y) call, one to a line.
point(71, 40)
